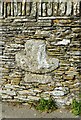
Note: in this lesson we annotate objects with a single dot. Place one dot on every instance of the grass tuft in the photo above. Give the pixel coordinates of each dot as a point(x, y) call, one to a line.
point(76, 107)
point(46, 105)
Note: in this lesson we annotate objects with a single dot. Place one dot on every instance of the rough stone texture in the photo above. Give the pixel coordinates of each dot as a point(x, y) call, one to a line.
point(60, 38)
point(69, 8)
point(35, 58)
point(63, 42)
point(37, 78)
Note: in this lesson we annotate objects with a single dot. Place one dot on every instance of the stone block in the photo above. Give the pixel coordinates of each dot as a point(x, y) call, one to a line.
point(49, 8)
point(69, 77)
point(62, 8)
point(30, 78)
point(69, 8)
point(60, 91)
point(15, 81)
point(35, 58)
point(63, 42)
point(33, 98)
point(26, 92)
point(76, 30)
point(33, 10)
point(9, 92)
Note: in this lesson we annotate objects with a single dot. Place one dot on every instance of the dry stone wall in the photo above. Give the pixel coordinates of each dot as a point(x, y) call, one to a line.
point(41, 51)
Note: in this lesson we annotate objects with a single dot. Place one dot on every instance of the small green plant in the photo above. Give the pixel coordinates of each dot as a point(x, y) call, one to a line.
point(46, 105)
point(76, 107)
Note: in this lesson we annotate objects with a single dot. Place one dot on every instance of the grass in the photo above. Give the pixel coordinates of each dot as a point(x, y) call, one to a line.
point(46, 105)
point(76, 107)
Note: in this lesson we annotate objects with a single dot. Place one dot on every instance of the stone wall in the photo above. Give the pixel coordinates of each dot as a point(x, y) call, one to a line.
point(41, 9)
point(57, 29)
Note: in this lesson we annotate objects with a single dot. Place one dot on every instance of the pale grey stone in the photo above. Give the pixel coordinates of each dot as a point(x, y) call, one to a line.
point(23, 99)
point(35, 58)
point(16, 46)
point(49, 8)
point(2, 81)
point(43, 9)
point(69, 8)
point(69, 102)
point(37, 90)
point(77, 53)
point(8, 9)
point(33, 98)
point(37, 78)
point(2, 43)
point(23, 7)
point(21, 96)
point(28, 8)
point(15, 8)
point(22, 87)
point(39, 8)
point(60, 91)
point(78, 8)
point(62, 8)
point(74, 8)
point(16, 86)
point(9, 92)
point(63, 42)
point(1, 10)
point(42, 33)
point(62, 88)
point(6, 96)
point(33, 11)
point(12, 8)
point(9, 86)
point(25, 92)
point(4, 9)
point(19, 8)
point(60, 102)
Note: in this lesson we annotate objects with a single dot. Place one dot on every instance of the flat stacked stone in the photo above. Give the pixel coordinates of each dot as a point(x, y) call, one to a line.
point(61, 40)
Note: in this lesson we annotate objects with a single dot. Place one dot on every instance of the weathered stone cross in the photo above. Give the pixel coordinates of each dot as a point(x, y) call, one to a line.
point(36, 62)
